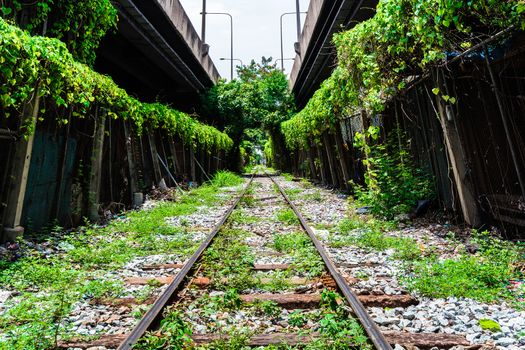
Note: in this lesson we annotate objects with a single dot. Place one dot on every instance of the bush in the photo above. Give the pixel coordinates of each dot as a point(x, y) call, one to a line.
point(226, 179)
point(393, 183)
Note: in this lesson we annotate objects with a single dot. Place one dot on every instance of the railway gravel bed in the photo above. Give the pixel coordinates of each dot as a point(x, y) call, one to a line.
point(380, 273)
point(261, 282)
point(111, 300)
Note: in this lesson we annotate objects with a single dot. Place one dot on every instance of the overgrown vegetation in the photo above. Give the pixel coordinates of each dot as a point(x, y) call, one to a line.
point(287, 216)
point(80, 25)
point(393, 183)
point(34, 65)
point(377, 59)
point(306, 259)
point(173, 333)
point(404, 38)
point(251, 109)
point(229, 261)
point(483, 275)
point(50, 285)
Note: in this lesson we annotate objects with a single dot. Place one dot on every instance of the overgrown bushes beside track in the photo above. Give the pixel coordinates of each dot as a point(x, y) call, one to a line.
point(404, 38)
point(379, 60)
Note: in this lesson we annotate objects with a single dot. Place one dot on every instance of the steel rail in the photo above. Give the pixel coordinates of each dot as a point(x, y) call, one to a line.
point(375, 335)
point(154, 315)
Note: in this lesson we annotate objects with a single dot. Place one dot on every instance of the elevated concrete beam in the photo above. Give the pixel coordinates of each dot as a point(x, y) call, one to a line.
point(156, 54)
point(175, 12)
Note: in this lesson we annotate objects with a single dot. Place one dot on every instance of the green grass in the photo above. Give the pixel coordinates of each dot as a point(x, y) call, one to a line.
point(288, 217)
point(287, 176)
point(239, 217)
point(292, 193)
point(483, 276)
point(371, 236)
point(315, 196)
point(228, 261)
point(226, 179)
point(306, 259)
point(49, 286)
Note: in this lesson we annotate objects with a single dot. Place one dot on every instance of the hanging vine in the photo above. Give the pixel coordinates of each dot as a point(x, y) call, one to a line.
point(405, 38)
point(28, 62)
point(81, 25)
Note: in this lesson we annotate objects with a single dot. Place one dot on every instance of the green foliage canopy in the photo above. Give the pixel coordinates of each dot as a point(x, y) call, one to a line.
point(258, 98)
point(33, 64)
point(79, 24)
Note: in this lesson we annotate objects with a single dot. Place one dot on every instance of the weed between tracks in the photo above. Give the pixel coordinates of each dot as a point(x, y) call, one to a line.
point(50, 284)
point(288, 217)
point(218, 309)
point(306, 259)
point(329, 327)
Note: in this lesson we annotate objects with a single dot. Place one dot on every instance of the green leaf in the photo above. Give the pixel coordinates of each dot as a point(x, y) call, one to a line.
point(6, 11)
point(435, 91)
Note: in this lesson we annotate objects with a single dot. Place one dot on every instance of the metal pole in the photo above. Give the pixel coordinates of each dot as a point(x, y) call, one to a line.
point(203, 29)
point(282, 48)
point(281, 22)
point(235, 59)
point(231, 37)
point(231, 49)
point(297, 4)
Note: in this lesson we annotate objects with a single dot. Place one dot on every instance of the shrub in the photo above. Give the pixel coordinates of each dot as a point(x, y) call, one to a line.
point(393, 183)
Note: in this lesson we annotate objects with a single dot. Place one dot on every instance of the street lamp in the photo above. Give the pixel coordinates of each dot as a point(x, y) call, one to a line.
point(298, 32)
point(231, 36)
point(229, 59)
point(282, 61)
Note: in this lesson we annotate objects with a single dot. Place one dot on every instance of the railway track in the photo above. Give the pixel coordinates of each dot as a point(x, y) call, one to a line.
point(249, 283)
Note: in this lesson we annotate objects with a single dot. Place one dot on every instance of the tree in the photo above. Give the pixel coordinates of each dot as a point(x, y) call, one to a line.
point(258, 99)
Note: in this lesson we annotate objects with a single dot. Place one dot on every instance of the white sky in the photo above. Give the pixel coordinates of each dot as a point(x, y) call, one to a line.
point(256, 29)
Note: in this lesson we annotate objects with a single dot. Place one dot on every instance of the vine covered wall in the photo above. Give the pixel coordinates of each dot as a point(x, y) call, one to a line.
point(425, 67)
point(405, 38)
point(38, 65)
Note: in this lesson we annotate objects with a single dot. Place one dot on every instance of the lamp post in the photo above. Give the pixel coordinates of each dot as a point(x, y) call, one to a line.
point(298, 12)
point(282, 61)
point(231, 36)
point(298, 31)
point(229, 59)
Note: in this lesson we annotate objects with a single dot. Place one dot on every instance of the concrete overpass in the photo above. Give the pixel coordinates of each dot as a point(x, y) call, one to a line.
point(156, 53)
point(317, 57)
